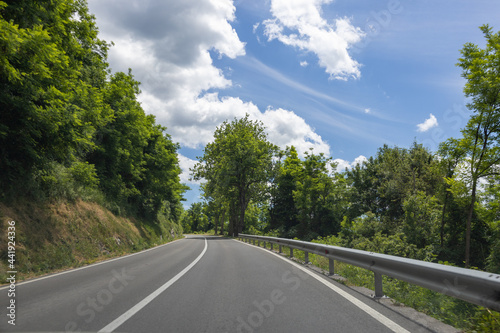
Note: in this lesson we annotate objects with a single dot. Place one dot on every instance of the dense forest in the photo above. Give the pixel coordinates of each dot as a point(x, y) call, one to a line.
point(413, 202)
point(69, 129)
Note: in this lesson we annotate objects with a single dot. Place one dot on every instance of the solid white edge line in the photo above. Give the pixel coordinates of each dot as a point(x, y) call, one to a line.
point(91, 265)
point(366, 308)
point(136, 308)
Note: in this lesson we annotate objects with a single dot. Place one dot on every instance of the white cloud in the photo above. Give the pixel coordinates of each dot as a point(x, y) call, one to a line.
point(368, 110)
point(168, 44)
point(304, 63)
point(185, 163)
point(428, 124)
point(310, 32)
point(285, 128)
point(342, 165)
point(255, 27)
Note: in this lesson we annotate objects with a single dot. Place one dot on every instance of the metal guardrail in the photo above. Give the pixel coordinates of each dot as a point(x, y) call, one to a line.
point(481, 288)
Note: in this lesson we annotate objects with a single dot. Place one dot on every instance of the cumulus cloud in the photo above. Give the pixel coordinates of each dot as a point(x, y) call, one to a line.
point(186, 163)
point(168, 44)
point(285, 128)
point(428, 124)
point(299, 23)
point(342, 165)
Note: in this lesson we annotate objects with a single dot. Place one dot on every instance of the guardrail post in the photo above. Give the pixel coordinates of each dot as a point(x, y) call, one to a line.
point(306, 257)
point(280, 250)
point(291, 253)
point(254, 242)
point(265, 245)
point(271, 246)
point(379, 292)
point(331, 266)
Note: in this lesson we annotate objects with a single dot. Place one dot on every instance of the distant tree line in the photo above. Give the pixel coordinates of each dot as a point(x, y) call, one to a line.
point(69, 128)
point(404, 201)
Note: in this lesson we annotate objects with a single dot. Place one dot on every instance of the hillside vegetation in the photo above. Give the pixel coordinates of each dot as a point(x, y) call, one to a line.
point(61, 235)
point(84, 171)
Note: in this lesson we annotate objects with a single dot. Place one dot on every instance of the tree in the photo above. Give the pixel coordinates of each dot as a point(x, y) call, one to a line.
point(216, 212)
point(308, 197)
point(283, 212)
point(481, 136)
point(51, 67)
point(237, 166)
point(451, 157)
point(384, 182)
point(194, 219)
point(491, 213)
point(315, 198)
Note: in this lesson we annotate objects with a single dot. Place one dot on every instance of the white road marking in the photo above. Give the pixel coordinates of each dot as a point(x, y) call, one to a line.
point(136, 308)
point(91, 265)
point(372, 312)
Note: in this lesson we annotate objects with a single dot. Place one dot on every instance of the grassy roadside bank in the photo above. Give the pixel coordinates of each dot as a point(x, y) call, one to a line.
point(57, 236)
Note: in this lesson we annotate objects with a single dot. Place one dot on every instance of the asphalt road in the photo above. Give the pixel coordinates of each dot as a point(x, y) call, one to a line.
point(198, 284)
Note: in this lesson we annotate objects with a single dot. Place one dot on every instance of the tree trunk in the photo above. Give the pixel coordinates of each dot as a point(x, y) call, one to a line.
point(442, 217)
point(222, 220)
point(241, 220)
point(242, 207)
point(469, 223)
point(231, 226)
point(216, 222)
point(233, 219)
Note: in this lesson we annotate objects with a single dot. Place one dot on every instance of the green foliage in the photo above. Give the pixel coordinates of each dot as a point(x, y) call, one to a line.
point(283, 210)
point(485, 320)
point(69, 129)
point(45, 51)
point(194, 219)
point(422, 219)
point(307, 201)
point(256, 219)
point(237, 167)
point(480, 143)
point(382, 184)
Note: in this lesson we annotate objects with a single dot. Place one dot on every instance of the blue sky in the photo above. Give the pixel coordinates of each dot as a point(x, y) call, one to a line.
point(342, 77)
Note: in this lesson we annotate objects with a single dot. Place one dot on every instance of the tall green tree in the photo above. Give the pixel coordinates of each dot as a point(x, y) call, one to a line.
point(308, 196)
point(481, 136)
point(384, 182)
point(315, 197)
point(491, 213)
point(283, 210)
point(238, 165)
point(135, 159)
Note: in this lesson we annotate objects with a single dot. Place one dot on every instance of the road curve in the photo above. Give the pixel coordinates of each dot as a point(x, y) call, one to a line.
point(198, 284)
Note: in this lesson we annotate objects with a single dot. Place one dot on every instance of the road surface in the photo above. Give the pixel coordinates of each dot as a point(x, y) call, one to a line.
point(197, 284)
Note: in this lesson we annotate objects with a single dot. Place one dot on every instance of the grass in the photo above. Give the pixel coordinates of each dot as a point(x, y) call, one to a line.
point(63, 235)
